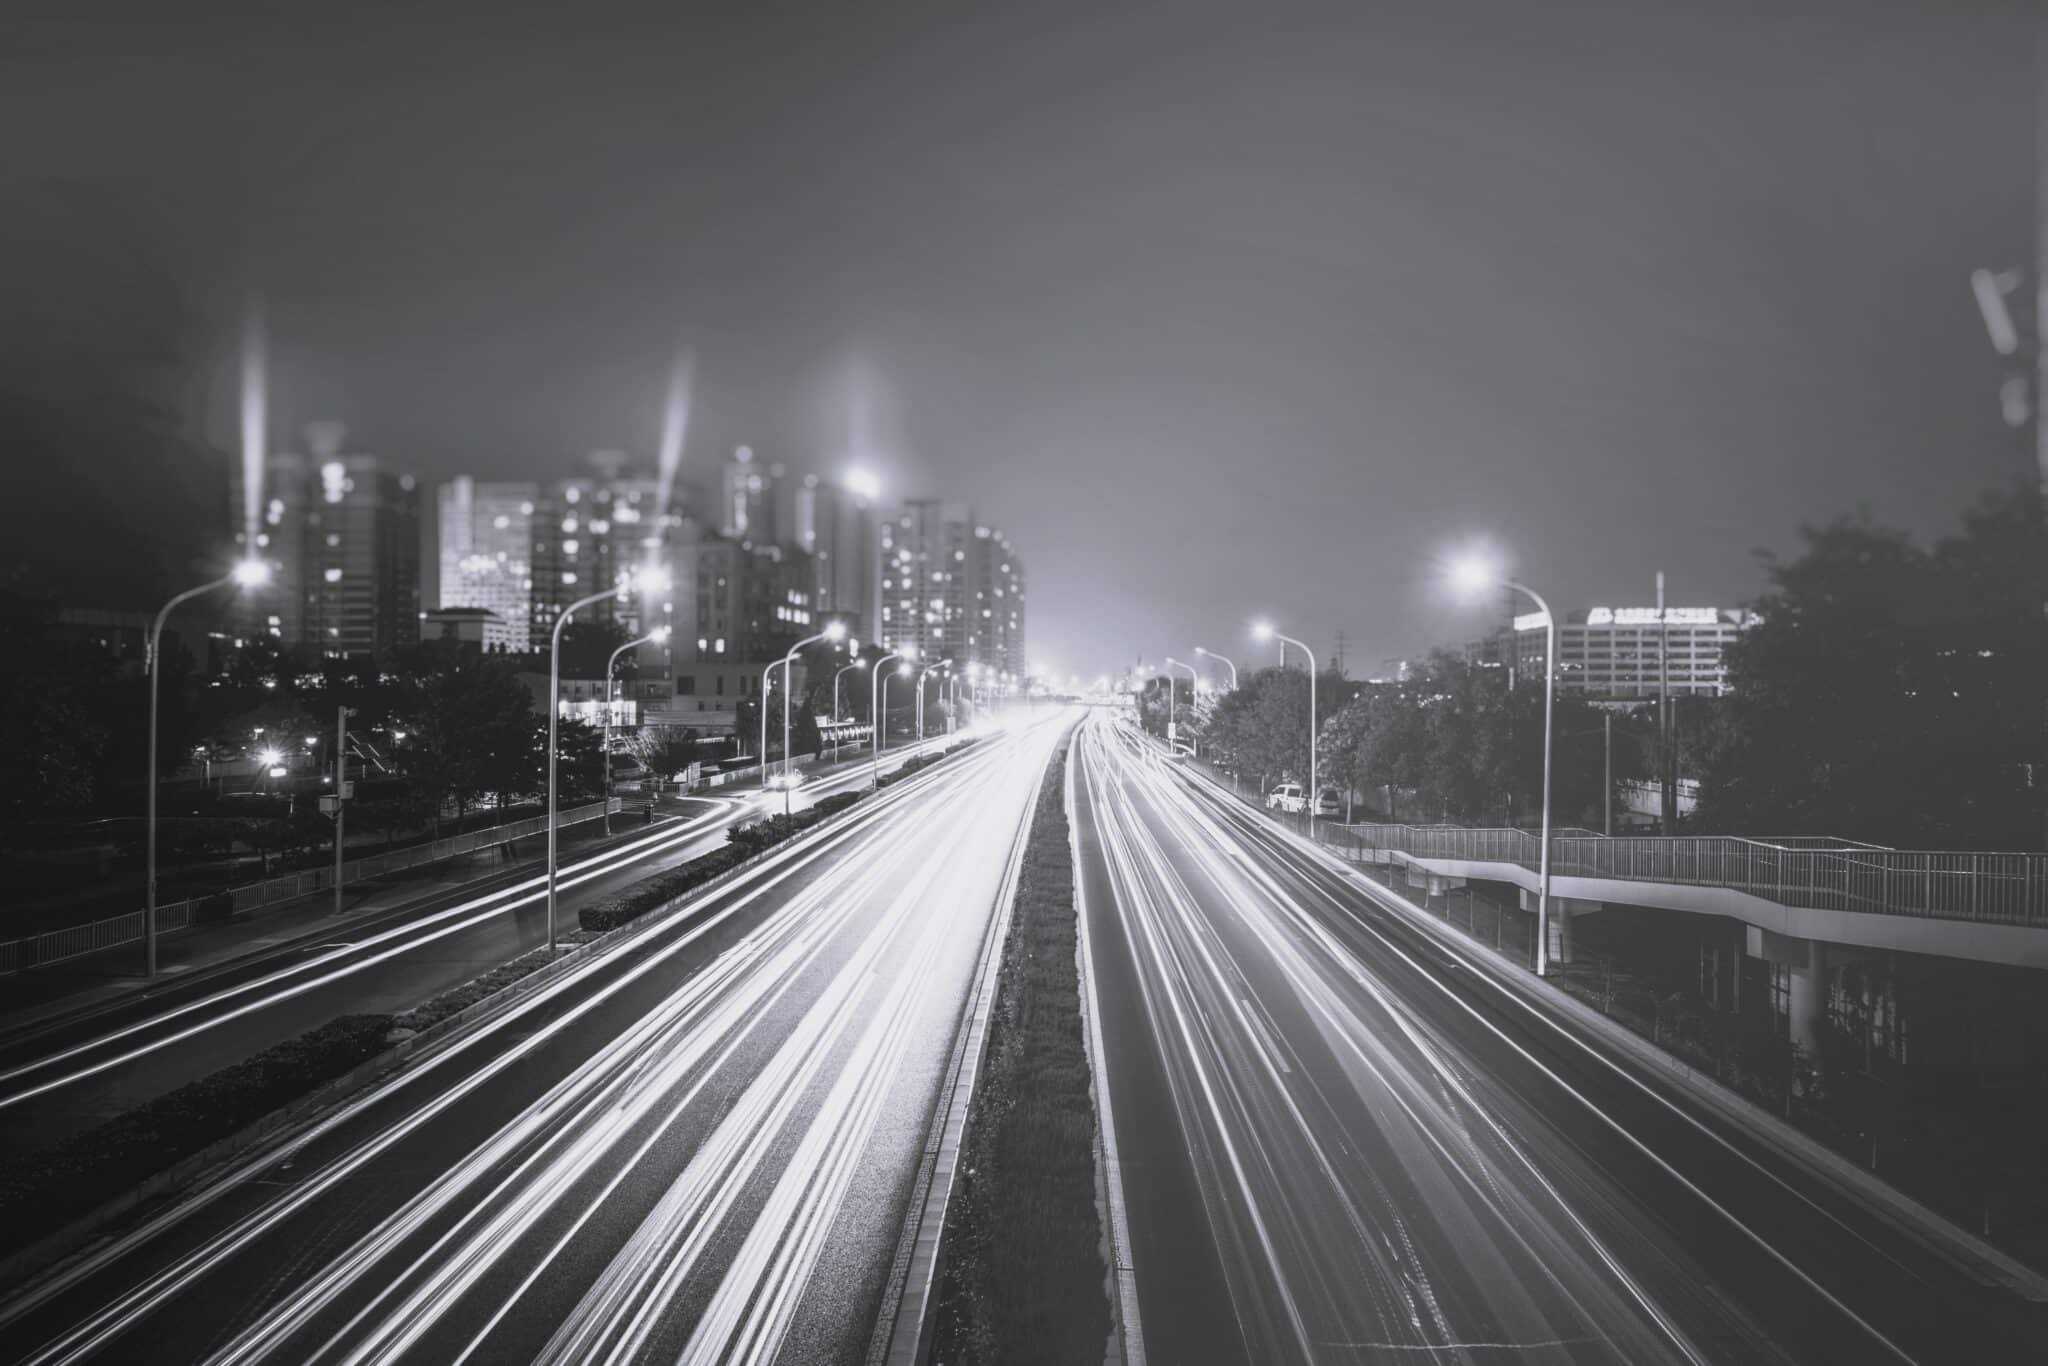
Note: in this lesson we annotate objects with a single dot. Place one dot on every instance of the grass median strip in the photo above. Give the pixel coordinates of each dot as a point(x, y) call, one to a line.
point(1022, 1275)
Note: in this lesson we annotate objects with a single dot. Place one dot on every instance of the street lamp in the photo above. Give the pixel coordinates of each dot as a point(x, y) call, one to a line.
point(841, 673)
point(656, 636)
point(835, 631)
point(644, 581)
point(1172, 695)
point(248, 574)
point(1473, 575)
point(878, 697)
point(1224, 660)
point(935, 664)
point(1263, 631)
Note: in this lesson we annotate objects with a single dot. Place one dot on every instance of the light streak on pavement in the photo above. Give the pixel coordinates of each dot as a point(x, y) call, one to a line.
point(1336, 1148)
point(697, 1147)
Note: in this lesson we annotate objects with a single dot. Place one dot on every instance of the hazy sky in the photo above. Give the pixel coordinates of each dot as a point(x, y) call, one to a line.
point(1218, 310)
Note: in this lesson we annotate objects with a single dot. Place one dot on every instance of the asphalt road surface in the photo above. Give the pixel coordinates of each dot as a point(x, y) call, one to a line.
point(697, 1146)
point(70, 1073)
point(1342, 1141)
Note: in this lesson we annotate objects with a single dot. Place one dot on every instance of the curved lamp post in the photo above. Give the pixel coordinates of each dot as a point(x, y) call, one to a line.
point(878, 696)
point(656, 636)
point(842, 671)
point(935, 664)
point(643, 581)
point(1263, 631)
point(1475, 575)
point(835, 631)
point(1224, 660)
point(249, 574)
point(1172, 694)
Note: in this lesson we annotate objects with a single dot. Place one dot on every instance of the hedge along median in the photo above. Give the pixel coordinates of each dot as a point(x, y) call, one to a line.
point(1022, 1276)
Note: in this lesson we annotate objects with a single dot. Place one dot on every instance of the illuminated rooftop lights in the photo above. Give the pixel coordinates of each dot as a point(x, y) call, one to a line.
point(863, 483)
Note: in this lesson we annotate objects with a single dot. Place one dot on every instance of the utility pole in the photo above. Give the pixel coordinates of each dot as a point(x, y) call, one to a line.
point(341, 793)
point(1607, 788)
point(1667, 761)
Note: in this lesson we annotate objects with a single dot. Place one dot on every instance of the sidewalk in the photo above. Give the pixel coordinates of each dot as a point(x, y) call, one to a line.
point(81, 985)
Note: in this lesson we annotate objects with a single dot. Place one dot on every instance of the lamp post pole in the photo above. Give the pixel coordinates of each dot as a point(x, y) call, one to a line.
point(1549, 698)
point(878, 694)
point(835, 701)
point(935, 664)
point(554, 725)
point(341, 715)
point(1224, 660)
point(249, 574)
point(832, 632)
point(658, 633)
point(1313, 794)
point(1172, 695)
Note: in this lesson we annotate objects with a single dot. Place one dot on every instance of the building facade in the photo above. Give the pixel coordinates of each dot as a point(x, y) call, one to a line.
point(1625, 653)
point(343, 532)
point(837, 528)
point(952, 586)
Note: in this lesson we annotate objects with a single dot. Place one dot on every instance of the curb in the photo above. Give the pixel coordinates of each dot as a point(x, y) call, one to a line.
point(46, 1255)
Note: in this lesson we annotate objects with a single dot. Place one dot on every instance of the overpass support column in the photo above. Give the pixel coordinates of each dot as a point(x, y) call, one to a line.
point(1802, 967)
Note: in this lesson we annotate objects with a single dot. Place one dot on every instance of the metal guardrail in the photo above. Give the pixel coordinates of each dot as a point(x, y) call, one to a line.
point(54, 946)
point(1818, 872)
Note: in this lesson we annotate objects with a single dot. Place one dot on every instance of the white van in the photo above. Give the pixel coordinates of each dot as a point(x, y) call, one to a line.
point(1286, 797)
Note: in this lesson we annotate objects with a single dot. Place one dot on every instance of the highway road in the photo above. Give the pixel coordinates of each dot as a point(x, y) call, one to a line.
point(69, 1073)
point(697, 1146)
point(1343, 1140)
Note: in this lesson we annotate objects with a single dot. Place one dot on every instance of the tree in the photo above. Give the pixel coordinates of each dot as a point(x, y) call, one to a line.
point(471, 730)
point(1891, 693)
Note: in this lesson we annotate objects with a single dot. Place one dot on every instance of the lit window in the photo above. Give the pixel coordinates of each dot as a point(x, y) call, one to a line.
point(501, 521)
point(333, 576)
point(568, 577)
point(570, 547)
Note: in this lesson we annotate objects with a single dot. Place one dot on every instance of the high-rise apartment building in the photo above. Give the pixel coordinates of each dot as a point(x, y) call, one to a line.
point(754, 498)
point(486, 546)
point(952, 586)
point(836, 528)
point(738, 601)
point(343, 530)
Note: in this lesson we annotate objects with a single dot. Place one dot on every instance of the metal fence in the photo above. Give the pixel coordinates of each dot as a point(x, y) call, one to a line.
point(41, 950)
point(1819, 872)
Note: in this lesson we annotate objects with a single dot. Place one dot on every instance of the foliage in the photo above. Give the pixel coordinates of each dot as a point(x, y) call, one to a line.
point(470, 730)
point(1892, 693)
point(1455, 743)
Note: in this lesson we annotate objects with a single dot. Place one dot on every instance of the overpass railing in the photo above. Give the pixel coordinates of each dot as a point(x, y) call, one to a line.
point(1820, 872)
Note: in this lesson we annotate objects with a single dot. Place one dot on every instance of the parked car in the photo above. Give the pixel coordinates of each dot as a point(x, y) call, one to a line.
point(1329, 802)
point(1286, 797)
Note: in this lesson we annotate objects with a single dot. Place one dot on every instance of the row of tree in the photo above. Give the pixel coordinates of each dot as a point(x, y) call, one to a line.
point(1891, 692)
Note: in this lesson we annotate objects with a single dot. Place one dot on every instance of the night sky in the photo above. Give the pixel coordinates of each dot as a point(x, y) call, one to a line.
point(1217, 310)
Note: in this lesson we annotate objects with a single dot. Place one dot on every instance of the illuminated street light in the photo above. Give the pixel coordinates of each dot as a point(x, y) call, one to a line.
point(1263, 630)
point(841, 673)
point(878, 698)
point(659, 635)
point(1472, 575)
point(834, 631)
point(248, 575)
point(919, 705)
point(1172, 695)
point(269, 758)
point(1224, 660)
point(647, 582)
